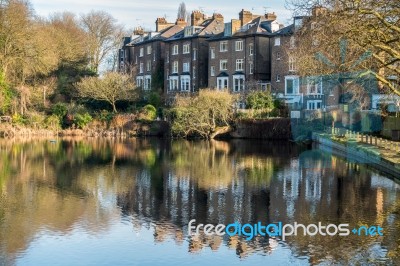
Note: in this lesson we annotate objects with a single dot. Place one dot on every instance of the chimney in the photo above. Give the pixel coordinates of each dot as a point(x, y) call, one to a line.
point(181, 22)
point(218, 17)
point(270, 16)
point(138, 31)
point(245, 17)
point(235, 25)
point(197, 18)
point(161, 24)
point(318, 11)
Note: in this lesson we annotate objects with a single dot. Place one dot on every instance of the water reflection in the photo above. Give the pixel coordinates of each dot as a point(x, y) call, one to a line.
point(158, 186)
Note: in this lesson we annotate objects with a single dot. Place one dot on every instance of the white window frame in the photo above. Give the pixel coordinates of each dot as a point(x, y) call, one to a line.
point(314, 86)
point(147, 82)
point(251, 49)
point(186, 67)
point(141, 67)
point(278, 56)
point(148, 66)
point(277, 41)
point(292, 64)
point(223, 46)
point(292, 42)
point(296, 85)
point(186, 48)
point(251, 68)
point(141, 52)
point(175, 67)
point(212, 53)
point(278, 78)
point(223, 62)
point(185, 83)
point(167, 57)
point(239, 64)
point(194, 72)
point(173, 83)
point(139, 81)
point(222, 83)
point(313, 104)
point(212, 71)
point(148, 48)
point(175, 49)
point(238, 83)
point(238, 46)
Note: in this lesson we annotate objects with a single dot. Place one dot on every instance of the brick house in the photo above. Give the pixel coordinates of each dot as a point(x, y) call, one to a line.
point(186, 55)
point(239, 58)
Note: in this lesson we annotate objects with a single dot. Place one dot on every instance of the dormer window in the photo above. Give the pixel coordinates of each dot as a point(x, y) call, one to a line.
point(277, 41)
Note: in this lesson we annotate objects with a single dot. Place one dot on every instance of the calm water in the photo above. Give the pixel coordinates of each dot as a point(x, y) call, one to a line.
point(108, 202)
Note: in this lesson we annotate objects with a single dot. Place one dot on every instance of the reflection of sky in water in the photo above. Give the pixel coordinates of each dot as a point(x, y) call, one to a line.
point(136, 247)
point(132, 209)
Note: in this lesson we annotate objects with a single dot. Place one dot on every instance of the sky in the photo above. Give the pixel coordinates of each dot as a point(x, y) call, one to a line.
point(133, 13)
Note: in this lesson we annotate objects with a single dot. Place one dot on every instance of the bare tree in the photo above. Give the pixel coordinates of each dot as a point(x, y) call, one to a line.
point(112, 87)
point(103, 37)
point(345, 35)
point(182, 12)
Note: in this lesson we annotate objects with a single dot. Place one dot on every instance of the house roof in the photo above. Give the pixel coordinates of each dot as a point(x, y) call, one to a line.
point(209, 27)
point(257, 26)
point(159, 36)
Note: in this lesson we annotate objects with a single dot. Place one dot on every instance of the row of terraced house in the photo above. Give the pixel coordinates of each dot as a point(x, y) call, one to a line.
point(249, 53)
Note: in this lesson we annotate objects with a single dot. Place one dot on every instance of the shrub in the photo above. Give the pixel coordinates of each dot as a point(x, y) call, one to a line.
point(81, 120)
point(53, 122)
point(59, 110)
point(18, 119)
point(148, 112)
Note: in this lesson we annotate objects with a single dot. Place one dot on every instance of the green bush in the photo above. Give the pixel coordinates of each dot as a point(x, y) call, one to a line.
point(148, 112)
point(18, 119)
point(105, 116)
point(53, 122)
point(81, 120)
point(59, 110)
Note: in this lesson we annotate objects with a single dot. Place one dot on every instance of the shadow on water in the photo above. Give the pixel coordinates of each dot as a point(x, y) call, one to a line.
point(161, 185)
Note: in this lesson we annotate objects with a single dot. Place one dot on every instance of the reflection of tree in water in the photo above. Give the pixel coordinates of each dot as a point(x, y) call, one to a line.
point(163, 185)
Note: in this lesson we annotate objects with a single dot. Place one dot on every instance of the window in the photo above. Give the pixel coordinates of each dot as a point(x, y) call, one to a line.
point(167, 57)
point(136, 60)
point(186, 48)
point(251, 70)
point(277, 41)
point(314, 86)
point(148, 66)
point(223, 46)
point(185, 83)
point(186, 67)
point(141, 52)
point(139, 81)
point(154, 57)
point(141, 67)
point(223, 64)
point(147, 82)
point(212, 53)
point(194, 72)
point(194, 54)
point(212, 70)
point(278, 78)
point(239, 64)
point(251, 49)
point(175, 67)
point(238, 83)
point(292, 63)
point(314, 105)
point(239, 45)
point(222, 83)
point(175, 49)
point(278, 56)
point(173, 83)
point(148, 49)
point(292, 42)
point(292, 85)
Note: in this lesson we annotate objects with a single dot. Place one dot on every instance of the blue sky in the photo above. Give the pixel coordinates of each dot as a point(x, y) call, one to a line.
point(132, 13)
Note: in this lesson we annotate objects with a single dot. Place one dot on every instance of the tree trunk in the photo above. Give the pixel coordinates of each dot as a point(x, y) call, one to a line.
point(220, 131)
point(114, 108)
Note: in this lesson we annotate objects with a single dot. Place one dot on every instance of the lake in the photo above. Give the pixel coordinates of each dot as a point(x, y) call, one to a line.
point(129, 202)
